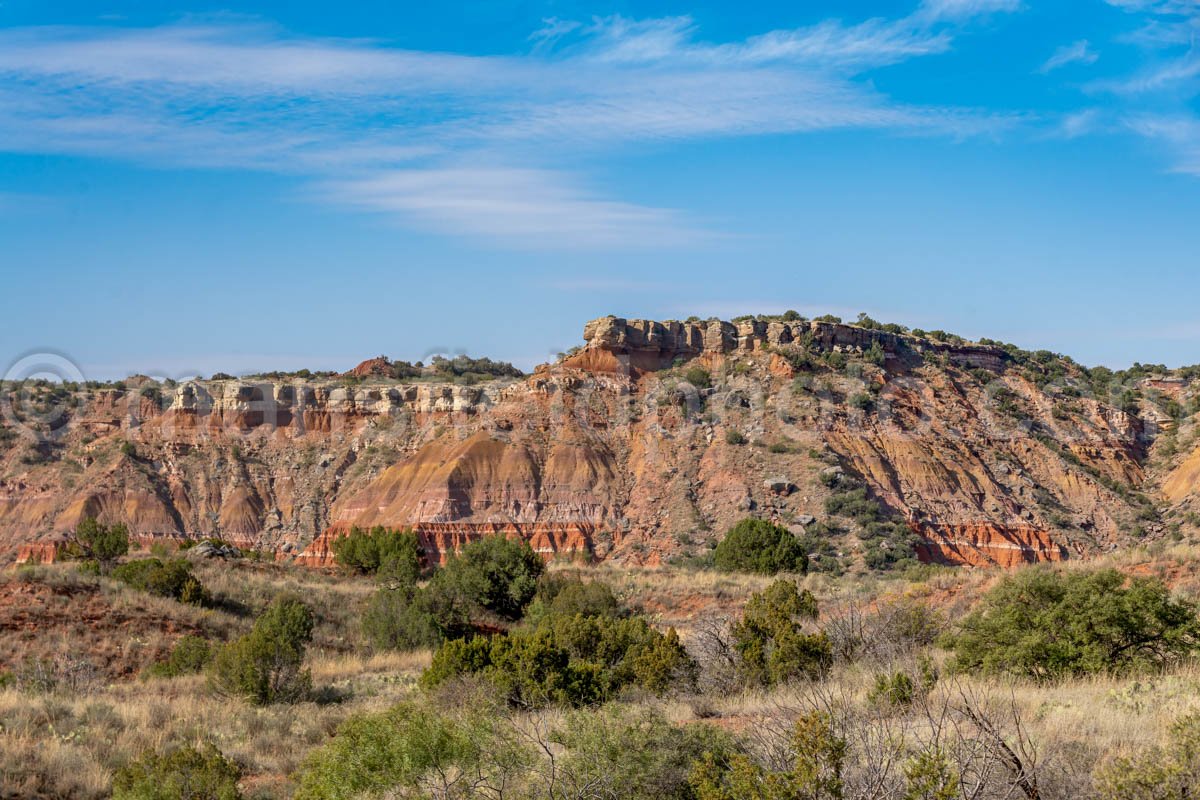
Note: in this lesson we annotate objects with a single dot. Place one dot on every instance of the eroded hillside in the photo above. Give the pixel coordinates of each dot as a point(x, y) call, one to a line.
point(644, 444)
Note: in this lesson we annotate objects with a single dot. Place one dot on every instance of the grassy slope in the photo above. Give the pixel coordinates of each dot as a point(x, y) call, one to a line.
point(66, 744)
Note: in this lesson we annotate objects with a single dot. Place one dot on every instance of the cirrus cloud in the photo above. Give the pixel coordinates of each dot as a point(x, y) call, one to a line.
point(466, 144)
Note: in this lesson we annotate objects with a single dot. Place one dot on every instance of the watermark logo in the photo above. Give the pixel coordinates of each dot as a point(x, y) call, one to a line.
point(37, 392)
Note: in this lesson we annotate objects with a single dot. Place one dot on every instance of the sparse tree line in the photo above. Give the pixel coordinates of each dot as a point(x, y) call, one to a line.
point(97, 547)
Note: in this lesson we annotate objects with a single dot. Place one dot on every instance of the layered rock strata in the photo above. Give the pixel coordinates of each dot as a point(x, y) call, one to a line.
point(609, 452)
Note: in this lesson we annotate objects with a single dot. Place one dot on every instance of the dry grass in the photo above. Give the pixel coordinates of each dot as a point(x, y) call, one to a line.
point(336, 667)
point(680, 596)
point(68, 746)
point(1112, 713)
point(59, 746)
point(247, 587)
point(68, 742)
point(672, 595)
point(52, 613)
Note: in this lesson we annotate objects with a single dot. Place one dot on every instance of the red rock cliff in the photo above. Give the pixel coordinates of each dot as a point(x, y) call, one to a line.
point(611, 451)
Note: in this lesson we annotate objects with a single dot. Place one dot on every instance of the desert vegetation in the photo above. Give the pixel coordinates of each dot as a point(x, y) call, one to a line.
point(1074, 681)
point(756, 545)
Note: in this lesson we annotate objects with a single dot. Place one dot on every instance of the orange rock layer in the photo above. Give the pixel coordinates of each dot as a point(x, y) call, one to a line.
point(438, 540)
point(985, 544)
point(609, 452)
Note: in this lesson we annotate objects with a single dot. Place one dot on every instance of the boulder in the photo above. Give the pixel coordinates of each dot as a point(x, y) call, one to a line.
point(210, 550)
point(779, 485)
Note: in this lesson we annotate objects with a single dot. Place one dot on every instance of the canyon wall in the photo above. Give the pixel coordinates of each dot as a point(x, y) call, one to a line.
point(610, 453)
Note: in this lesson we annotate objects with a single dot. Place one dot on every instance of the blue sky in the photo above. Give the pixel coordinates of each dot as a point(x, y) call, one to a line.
point(280, 185)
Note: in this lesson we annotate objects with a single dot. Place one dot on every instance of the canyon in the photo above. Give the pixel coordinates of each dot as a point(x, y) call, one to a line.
point(642, 445)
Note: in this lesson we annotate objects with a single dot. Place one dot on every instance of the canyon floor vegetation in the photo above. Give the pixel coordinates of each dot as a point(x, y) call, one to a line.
point(496, 676)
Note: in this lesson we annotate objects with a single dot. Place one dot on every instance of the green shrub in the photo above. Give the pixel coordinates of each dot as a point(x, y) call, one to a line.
point(895, 689)
point(756, 545)
point(577, 660)
point(184, 774)
point(489, 582)
point(855, 504)
point(1044, 624)
point(172, 579)
point(394, 555)
point(834, 478)
point(734, 437)
point(400, 618)
point(863, 402)
point(770, 639)
point(798, 358)
point(698, 376)
point(930, 775)
point(102, 543)
point(414, 751)
point(564, 596)
point(189, 655)
point(266, 665)
point(493, 575)
point(817, 544)
point(875, 354)
point(625, 652)
point(812, 770)
point(1166, 772)
point(481, 368)
point(889, 546)
point(634, 753)
point(526, 669)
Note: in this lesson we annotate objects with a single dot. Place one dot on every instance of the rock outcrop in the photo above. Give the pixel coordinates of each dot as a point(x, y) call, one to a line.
point(610, 452)
point(378, 367)
point(619, 345)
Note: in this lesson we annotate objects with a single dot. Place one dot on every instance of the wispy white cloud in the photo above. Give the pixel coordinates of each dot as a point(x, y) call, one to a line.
point(1079, 123)
point(1156, 100)
point(1079, 52)
point(829, 45)
point(552, 31)
point(245, 59)
point(1166, 25)
point(965, 9)
point(618, 40)
point(1161, 77)
point(1166, 7)
point(468, 144)
point(1180, 133)
point(539, 207)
